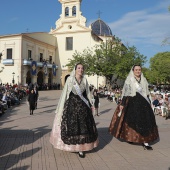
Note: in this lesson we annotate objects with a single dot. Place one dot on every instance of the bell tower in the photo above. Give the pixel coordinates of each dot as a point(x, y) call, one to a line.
point(70, 8)
point(70, 14)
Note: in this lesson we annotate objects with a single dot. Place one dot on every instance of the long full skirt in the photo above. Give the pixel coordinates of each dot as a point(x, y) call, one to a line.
point(137, 122)
point(77, 131)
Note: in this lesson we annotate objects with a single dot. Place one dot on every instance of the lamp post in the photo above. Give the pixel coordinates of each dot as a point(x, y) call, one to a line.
point(18, 80)
point(30, 79)
point(13, 81)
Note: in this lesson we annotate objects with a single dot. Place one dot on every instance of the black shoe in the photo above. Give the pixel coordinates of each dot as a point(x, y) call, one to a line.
point(130, 142)
point(147, 147)
point(82, 155)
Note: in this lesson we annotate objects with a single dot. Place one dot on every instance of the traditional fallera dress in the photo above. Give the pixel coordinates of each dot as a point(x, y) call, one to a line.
point(136, 123)
point(74, 128)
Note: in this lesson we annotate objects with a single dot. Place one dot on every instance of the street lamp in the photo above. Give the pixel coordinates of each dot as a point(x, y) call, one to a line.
point(18, 80)
point(13, 81)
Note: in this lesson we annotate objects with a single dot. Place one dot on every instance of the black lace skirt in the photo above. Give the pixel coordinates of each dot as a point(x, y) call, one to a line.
point(139, 115)
point(78, 125)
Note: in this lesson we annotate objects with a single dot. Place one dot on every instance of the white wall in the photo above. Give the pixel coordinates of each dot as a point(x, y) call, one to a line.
point(13, 42)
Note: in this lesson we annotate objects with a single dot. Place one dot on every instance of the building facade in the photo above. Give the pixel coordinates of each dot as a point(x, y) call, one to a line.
point(42, 57)
point(25, 57)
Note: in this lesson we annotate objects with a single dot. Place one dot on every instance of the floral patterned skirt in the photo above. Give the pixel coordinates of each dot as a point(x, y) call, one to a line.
point(78, 130)
point(137, 122)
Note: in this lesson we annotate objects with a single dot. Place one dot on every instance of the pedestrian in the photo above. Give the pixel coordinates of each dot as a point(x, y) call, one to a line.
point(74, 128)
point(134, 120)
point(31, 100)
point(96, 101)
point(36, 96)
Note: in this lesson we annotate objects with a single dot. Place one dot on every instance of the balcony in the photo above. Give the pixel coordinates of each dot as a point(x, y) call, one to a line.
point(8, 62)
point(39, 64)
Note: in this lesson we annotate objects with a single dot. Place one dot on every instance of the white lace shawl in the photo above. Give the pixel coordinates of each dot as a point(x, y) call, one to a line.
point(131, 86)
point(65, 95)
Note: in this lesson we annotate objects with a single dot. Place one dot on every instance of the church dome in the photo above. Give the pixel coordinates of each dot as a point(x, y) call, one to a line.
point(100, 28)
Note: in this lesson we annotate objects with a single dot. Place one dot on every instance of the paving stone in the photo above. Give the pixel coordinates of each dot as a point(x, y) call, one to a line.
point(24, 142)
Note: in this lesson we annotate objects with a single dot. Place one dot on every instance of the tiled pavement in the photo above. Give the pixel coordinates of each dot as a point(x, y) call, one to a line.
point(24, 142)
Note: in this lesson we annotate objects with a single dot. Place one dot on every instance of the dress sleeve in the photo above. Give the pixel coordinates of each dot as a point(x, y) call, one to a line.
point(127, 90)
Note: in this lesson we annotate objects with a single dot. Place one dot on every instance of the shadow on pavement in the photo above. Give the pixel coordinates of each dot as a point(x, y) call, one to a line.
point(104, 138)
point(15, 140)
point(105, 111)
point(47, 106)
point(12, 159)
point(4, 117)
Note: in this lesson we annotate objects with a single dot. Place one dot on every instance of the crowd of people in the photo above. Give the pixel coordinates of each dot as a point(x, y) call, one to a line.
point(160, 98)
point(10, 95)
point(161, 103)
point(49, 86)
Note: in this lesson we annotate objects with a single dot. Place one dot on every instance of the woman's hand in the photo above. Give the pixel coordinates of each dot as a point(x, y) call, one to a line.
point(120, 112)
point(121, 107)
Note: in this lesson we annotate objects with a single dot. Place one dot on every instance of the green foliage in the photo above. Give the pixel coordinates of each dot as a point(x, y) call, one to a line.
point(108, 59)
point(160, 68)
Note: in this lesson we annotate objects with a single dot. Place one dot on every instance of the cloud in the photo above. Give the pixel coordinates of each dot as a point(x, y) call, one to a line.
point(148, 26)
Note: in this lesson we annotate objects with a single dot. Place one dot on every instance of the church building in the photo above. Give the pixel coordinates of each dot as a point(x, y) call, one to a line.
point(41, 57)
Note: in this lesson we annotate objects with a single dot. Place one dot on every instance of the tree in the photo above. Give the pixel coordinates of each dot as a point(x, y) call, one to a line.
point(160, 68)
point(108, 59)
point(148, 74)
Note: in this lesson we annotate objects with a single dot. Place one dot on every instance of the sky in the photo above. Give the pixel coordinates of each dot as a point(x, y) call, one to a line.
point(143, 24)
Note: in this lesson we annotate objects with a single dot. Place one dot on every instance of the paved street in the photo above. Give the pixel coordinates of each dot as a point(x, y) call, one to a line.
point(24, 142)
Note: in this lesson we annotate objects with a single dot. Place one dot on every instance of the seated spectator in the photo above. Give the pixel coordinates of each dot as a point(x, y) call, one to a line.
point(155, 102)
point(6, 99)
point(2, 109)
point(161, 100)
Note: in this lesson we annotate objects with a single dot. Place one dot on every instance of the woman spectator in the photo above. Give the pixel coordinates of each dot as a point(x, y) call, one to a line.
point(96, 101)
point(31, 100)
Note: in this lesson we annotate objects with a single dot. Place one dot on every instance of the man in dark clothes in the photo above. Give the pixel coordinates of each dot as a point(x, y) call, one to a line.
point(36, 96)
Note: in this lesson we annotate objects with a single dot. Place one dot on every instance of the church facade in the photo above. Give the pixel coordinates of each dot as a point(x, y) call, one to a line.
point(42, 57)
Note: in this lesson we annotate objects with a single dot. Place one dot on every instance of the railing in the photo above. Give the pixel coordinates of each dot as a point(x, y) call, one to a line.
point(8, 62)
point(39, 64)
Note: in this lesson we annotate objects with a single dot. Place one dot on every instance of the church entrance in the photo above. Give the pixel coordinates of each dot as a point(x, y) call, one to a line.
point(40, 78)
point(28, 77)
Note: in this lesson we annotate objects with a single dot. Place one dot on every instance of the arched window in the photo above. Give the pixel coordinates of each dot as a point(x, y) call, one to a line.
point(74, 11)
point(66, 11)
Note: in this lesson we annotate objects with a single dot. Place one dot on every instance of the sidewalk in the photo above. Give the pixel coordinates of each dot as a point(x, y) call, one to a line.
point(24, 142)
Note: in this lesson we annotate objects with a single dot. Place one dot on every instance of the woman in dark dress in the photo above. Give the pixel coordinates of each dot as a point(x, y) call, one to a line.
point(31, 100)
point(96, 101)
point(74, 128)
point(134, 120)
